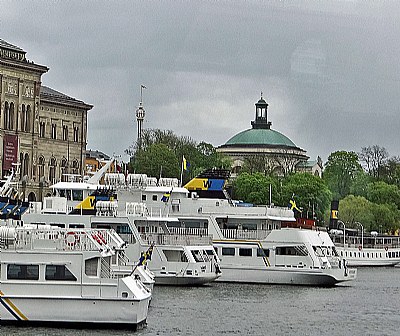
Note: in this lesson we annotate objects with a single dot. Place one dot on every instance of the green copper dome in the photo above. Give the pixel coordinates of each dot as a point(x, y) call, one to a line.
point(259, 137)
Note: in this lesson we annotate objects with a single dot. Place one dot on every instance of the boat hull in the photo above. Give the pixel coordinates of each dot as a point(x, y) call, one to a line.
point(175, 280)
point(74, 312)
point(287, 276)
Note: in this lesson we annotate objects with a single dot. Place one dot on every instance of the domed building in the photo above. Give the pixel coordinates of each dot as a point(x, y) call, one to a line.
point(266, 150)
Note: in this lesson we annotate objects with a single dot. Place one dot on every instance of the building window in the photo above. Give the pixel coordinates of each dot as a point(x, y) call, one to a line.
point(64, 170)
point(41, 163)
point(65, 132)
point(76, 134)
point(52, 170)
point(25, 171)
point(26, 118)
point(53, 131)
point(75, 167)
point(8, 116)
point(42, 129)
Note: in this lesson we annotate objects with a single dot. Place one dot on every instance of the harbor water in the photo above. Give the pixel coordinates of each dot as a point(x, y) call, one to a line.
point(368, 306)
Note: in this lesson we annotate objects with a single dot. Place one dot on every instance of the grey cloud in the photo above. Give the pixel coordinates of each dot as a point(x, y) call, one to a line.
point(329, 69)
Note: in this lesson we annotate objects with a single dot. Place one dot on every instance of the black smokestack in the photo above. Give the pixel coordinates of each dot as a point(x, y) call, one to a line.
point(333, 222)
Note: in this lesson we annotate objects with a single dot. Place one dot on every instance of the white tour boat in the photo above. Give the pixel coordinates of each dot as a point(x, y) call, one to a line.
point(176, 259)
point(63, 277)
point(361, 248)
point(249, 240)
point(369, 249)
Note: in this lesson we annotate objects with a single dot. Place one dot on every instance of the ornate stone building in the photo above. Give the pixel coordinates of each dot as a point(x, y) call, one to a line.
point(42, 132)
point(266, 149)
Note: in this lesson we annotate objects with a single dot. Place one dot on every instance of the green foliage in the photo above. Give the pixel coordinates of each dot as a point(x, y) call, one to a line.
point(383, 193)
point(340, 172)
point(156, 159)
point(159, 148)
point(354, 209)
point(254, 188)
point(385, 218)
point(360, 183)
point(311, 194)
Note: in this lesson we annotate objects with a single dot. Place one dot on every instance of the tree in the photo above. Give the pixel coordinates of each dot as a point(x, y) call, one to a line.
point(201, 156)
point(341, 170)
point(254, 188)
point(360, 183)
point(310, 192)
point(374, 158)
point(156, 160)
point(383, 193)
point(259, 163)
point(391, 171)
point(386, 218)
point(354, 209)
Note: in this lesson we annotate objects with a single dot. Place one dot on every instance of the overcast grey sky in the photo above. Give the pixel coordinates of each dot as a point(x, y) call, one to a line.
point(329, 69)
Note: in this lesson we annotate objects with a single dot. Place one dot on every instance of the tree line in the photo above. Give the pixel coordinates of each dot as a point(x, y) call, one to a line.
point(366, 183)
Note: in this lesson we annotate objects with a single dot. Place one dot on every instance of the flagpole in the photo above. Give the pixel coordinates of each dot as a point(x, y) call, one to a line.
point(182, 171)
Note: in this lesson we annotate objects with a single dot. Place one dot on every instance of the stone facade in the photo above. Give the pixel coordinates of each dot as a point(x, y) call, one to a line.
point(42, 132)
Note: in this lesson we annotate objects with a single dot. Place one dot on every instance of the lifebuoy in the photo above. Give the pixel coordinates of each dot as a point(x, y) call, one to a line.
point(359, 248)
point(71, 239)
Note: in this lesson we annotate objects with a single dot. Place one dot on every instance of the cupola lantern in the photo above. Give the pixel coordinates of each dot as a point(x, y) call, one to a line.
point(261, 120)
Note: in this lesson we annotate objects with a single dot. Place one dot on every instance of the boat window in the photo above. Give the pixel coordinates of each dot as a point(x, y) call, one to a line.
point(77, 195)
point(175, 255)
point(144, 198)
point(229, 251)
point(61, 193)
point(249, 226)
point(59, 272)
point(197, 255)
point(76, 226)
point(60, 225)
point(334, 252)
point(68, 195)
point(154, 197)
point(245, 252)
point(22, 272)
point(124, 229)
point(262, 252)
point(292, 250)
point(210, 252)
point(91, 266)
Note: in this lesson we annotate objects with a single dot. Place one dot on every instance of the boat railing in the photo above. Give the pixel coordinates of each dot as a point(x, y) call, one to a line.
point(175, 239)
point(62, 239)
point(245, 234)
point(188, 231)
point(380, 242)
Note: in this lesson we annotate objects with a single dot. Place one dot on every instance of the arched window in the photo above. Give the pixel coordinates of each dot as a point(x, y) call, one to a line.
point(10, 125)
point(64, 169)
point(28, 119)
point(41, 163)
point(25, 171)
point(21, 161)
point(6, 114)
point(23, 118)
point(52, 170)
point(75, 167)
